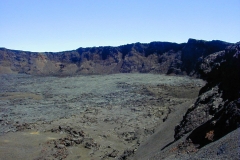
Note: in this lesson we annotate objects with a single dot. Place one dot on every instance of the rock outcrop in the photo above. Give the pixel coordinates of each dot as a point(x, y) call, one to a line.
point(217, 110)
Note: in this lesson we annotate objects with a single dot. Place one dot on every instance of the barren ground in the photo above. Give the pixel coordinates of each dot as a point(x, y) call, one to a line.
point(86, 117)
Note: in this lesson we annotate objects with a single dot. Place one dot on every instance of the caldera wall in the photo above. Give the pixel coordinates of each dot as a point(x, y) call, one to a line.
point(154, 57)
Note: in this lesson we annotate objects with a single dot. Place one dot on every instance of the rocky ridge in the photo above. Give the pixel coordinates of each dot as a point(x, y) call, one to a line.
point(155, 57)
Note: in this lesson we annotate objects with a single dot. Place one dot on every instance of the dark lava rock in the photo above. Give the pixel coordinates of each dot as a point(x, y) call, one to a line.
point(217, 110)
point(196, 50)
point(113, 154)
point(126, 154)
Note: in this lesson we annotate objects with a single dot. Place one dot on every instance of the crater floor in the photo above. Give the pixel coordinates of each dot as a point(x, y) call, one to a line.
point(86, 117)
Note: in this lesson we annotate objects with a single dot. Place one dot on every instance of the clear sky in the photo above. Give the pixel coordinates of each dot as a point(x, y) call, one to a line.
point(58, 25)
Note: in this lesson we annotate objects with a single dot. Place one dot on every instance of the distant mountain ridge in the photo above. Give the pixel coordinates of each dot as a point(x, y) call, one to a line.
point(154, 57)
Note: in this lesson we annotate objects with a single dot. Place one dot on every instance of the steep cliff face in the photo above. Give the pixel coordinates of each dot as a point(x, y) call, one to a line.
point(218, 107)
point(155, 57)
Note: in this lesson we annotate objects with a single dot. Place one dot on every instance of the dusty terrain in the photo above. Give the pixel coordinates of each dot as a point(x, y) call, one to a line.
point(88, 117)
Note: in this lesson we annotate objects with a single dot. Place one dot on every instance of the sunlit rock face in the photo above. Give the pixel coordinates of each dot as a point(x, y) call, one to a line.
point(154, 57)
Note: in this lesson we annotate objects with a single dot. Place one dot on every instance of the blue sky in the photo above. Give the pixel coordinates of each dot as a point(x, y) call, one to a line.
point(58, 25)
